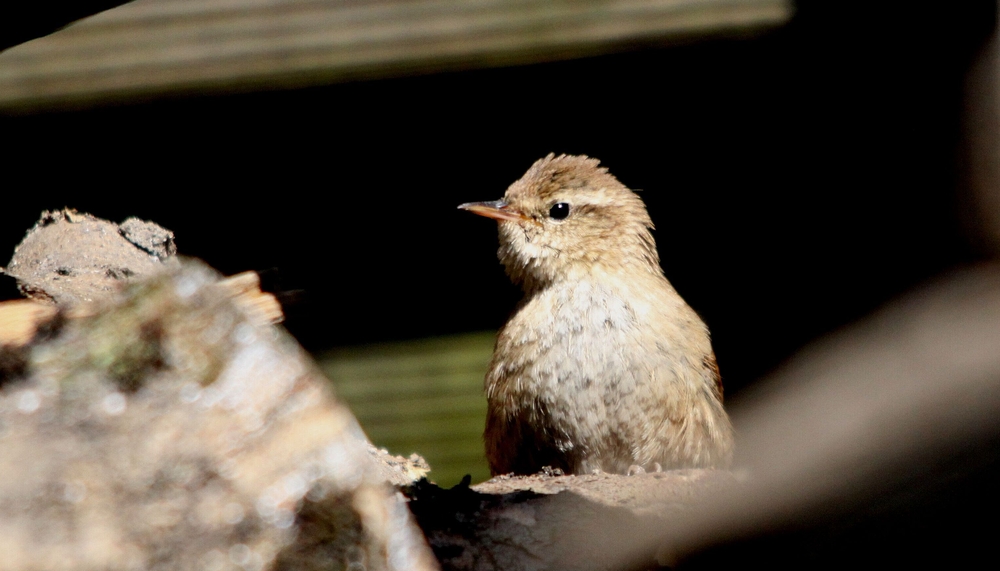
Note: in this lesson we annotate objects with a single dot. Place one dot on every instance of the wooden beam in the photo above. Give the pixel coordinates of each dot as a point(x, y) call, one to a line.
point(151, 47)
point(981, 146)
point(23, 21)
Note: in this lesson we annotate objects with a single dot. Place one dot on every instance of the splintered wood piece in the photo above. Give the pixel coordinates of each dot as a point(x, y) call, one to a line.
point(245, 291)
point(20, 318)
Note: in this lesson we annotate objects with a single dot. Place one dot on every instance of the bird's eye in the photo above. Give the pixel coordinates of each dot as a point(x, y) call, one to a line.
point(559, 211)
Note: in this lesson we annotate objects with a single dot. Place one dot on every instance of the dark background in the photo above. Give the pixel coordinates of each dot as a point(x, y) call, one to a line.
point(797, 179)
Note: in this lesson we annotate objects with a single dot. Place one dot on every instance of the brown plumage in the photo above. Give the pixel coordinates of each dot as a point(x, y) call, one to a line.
point(602, 367)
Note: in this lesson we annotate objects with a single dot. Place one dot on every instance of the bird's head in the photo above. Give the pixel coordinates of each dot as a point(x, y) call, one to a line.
point(566, 217)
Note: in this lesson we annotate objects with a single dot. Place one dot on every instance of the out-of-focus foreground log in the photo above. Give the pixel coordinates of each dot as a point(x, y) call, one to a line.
point(167, 430)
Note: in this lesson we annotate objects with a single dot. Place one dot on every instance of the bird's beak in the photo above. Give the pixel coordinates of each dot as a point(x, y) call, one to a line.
point(497, 209)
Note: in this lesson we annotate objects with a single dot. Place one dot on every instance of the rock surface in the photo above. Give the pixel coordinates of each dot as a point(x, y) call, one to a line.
point(70, 257)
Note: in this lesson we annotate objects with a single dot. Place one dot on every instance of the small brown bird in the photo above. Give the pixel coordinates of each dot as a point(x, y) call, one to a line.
point(602, 367)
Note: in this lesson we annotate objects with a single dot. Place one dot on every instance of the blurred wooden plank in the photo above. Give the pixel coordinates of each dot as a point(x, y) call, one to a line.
point(981, 146)
point(423, 396)
point(151, 47)
point(418, 407)
point(23, 21)
point(431, 429)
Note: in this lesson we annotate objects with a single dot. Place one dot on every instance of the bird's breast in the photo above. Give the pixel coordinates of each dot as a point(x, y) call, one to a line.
point(577, 339)
point(604, 374)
